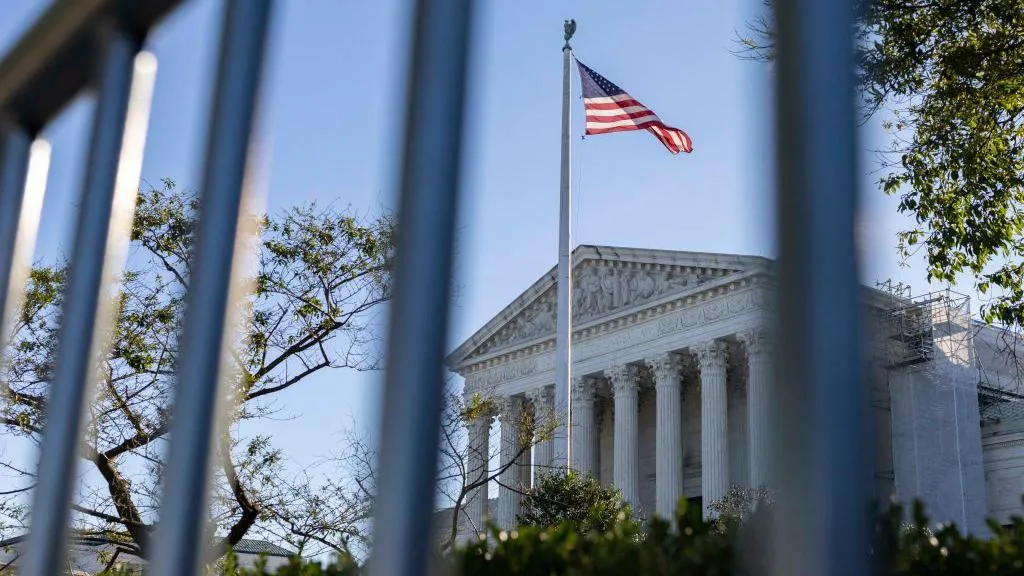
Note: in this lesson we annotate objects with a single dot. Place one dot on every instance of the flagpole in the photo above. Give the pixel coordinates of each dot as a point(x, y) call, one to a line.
point(563, 318)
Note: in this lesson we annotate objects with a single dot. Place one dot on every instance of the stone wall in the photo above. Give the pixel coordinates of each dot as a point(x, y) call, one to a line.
point(1003, 445)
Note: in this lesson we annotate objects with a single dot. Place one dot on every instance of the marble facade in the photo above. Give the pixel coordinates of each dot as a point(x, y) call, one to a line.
point(658, 336)
point(672, 388)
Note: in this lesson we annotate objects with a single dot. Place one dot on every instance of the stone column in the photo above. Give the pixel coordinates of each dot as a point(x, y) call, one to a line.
point(543, 415)
point(759, 397)
point(584, 430)
point(714, 427)
point(667, 370)
point(525, 461)
point(511, 446)
point(476, 469)
point(626, 385)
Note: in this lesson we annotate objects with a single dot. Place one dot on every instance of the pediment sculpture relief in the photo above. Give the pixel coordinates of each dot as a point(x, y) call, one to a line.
point(597, 291)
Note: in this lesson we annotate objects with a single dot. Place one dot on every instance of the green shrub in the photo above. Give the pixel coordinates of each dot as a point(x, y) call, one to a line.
point(573, 498)
point(901, 546)
point(695, 547)
point(912, 548)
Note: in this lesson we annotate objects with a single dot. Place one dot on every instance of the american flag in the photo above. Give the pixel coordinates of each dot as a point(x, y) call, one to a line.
point(611, 109)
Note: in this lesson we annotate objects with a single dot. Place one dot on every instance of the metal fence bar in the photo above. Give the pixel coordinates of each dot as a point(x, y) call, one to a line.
point(418, 332)
point(179, 544)
point(101, 238)
point(53, 60)
point(14, 156)
point(21, 206)
point(823, 446)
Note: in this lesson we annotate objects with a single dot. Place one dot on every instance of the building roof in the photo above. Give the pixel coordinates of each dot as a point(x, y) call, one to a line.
point(247, 546)
point(681, 272)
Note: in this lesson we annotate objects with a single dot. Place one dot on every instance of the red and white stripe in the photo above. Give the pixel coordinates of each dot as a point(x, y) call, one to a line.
point(621, 113)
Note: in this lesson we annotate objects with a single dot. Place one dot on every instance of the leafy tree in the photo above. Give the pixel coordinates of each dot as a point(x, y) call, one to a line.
point(321, 275)
point(947, 77)
point(568, 496)
point(738, 505)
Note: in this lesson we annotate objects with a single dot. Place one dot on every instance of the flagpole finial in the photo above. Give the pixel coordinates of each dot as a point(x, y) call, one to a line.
point(570, 29)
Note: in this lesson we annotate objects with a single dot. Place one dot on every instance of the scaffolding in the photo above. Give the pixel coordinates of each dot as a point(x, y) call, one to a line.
point(927, 339)
point(929, 331)
point(934, 333)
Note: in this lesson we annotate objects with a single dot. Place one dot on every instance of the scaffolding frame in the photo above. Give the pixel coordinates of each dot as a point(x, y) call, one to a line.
point(938, 326)
point(922, 329)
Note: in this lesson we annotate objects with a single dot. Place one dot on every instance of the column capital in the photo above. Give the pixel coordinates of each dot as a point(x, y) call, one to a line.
point(510, 409)
point(757, 341)
point(482, 421)
point(624, 378)
point(542, 395)
point(667, 369)
point(582, 389)
point(473, 386)
point(712, 355)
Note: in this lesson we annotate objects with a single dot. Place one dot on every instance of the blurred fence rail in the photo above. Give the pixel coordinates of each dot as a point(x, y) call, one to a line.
point(78, 45)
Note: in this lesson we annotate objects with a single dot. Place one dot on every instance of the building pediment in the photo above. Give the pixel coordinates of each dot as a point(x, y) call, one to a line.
point(608, 282)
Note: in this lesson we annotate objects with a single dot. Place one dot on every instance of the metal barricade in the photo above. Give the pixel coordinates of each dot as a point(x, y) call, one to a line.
point(823, 487)
point(823, 463)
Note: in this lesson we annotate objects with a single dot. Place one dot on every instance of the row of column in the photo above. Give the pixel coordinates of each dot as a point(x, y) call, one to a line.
point(667, 370)
point(514, 475)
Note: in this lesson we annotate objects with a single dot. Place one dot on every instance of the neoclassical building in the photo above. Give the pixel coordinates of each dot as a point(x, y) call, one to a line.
point(672, 386)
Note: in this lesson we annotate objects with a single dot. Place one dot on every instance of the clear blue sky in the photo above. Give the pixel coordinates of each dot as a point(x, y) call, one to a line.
point(333, 115)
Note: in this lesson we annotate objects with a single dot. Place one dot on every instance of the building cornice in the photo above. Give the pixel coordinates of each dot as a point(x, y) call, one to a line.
point(699, 296)
point(709, 264)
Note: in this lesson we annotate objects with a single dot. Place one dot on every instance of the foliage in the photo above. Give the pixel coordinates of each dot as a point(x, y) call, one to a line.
point(903, 545)
point(686, 546)
point(738, 504)
point(948, 78)
point(690, 545)
point(297, 567)
point(343, 565)
point(319, 276)
point(573, 498)
point(916, 547)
